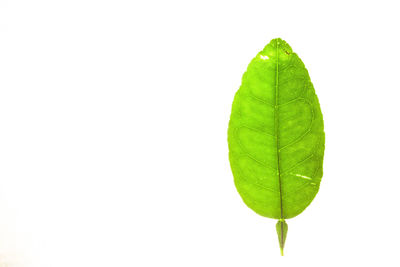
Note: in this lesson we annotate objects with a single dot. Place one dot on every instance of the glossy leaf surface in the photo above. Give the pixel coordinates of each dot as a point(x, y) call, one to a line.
point(276, 134)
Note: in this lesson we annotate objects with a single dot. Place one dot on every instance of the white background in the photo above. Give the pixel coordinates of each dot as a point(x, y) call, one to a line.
point(113, 128)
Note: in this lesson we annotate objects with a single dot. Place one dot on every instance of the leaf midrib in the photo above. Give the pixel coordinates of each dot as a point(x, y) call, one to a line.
point(276, 128)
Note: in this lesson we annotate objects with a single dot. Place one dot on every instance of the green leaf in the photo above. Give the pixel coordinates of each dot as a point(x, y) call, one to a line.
point(276, 135)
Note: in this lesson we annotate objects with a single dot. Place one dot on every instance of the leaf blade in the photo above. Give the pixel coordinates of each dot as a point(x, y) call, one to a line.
point(275, 134)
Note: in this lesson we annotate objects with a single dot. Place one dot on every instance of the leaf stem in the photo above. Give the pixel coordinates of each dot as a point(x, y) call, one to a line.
point(281, 230)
